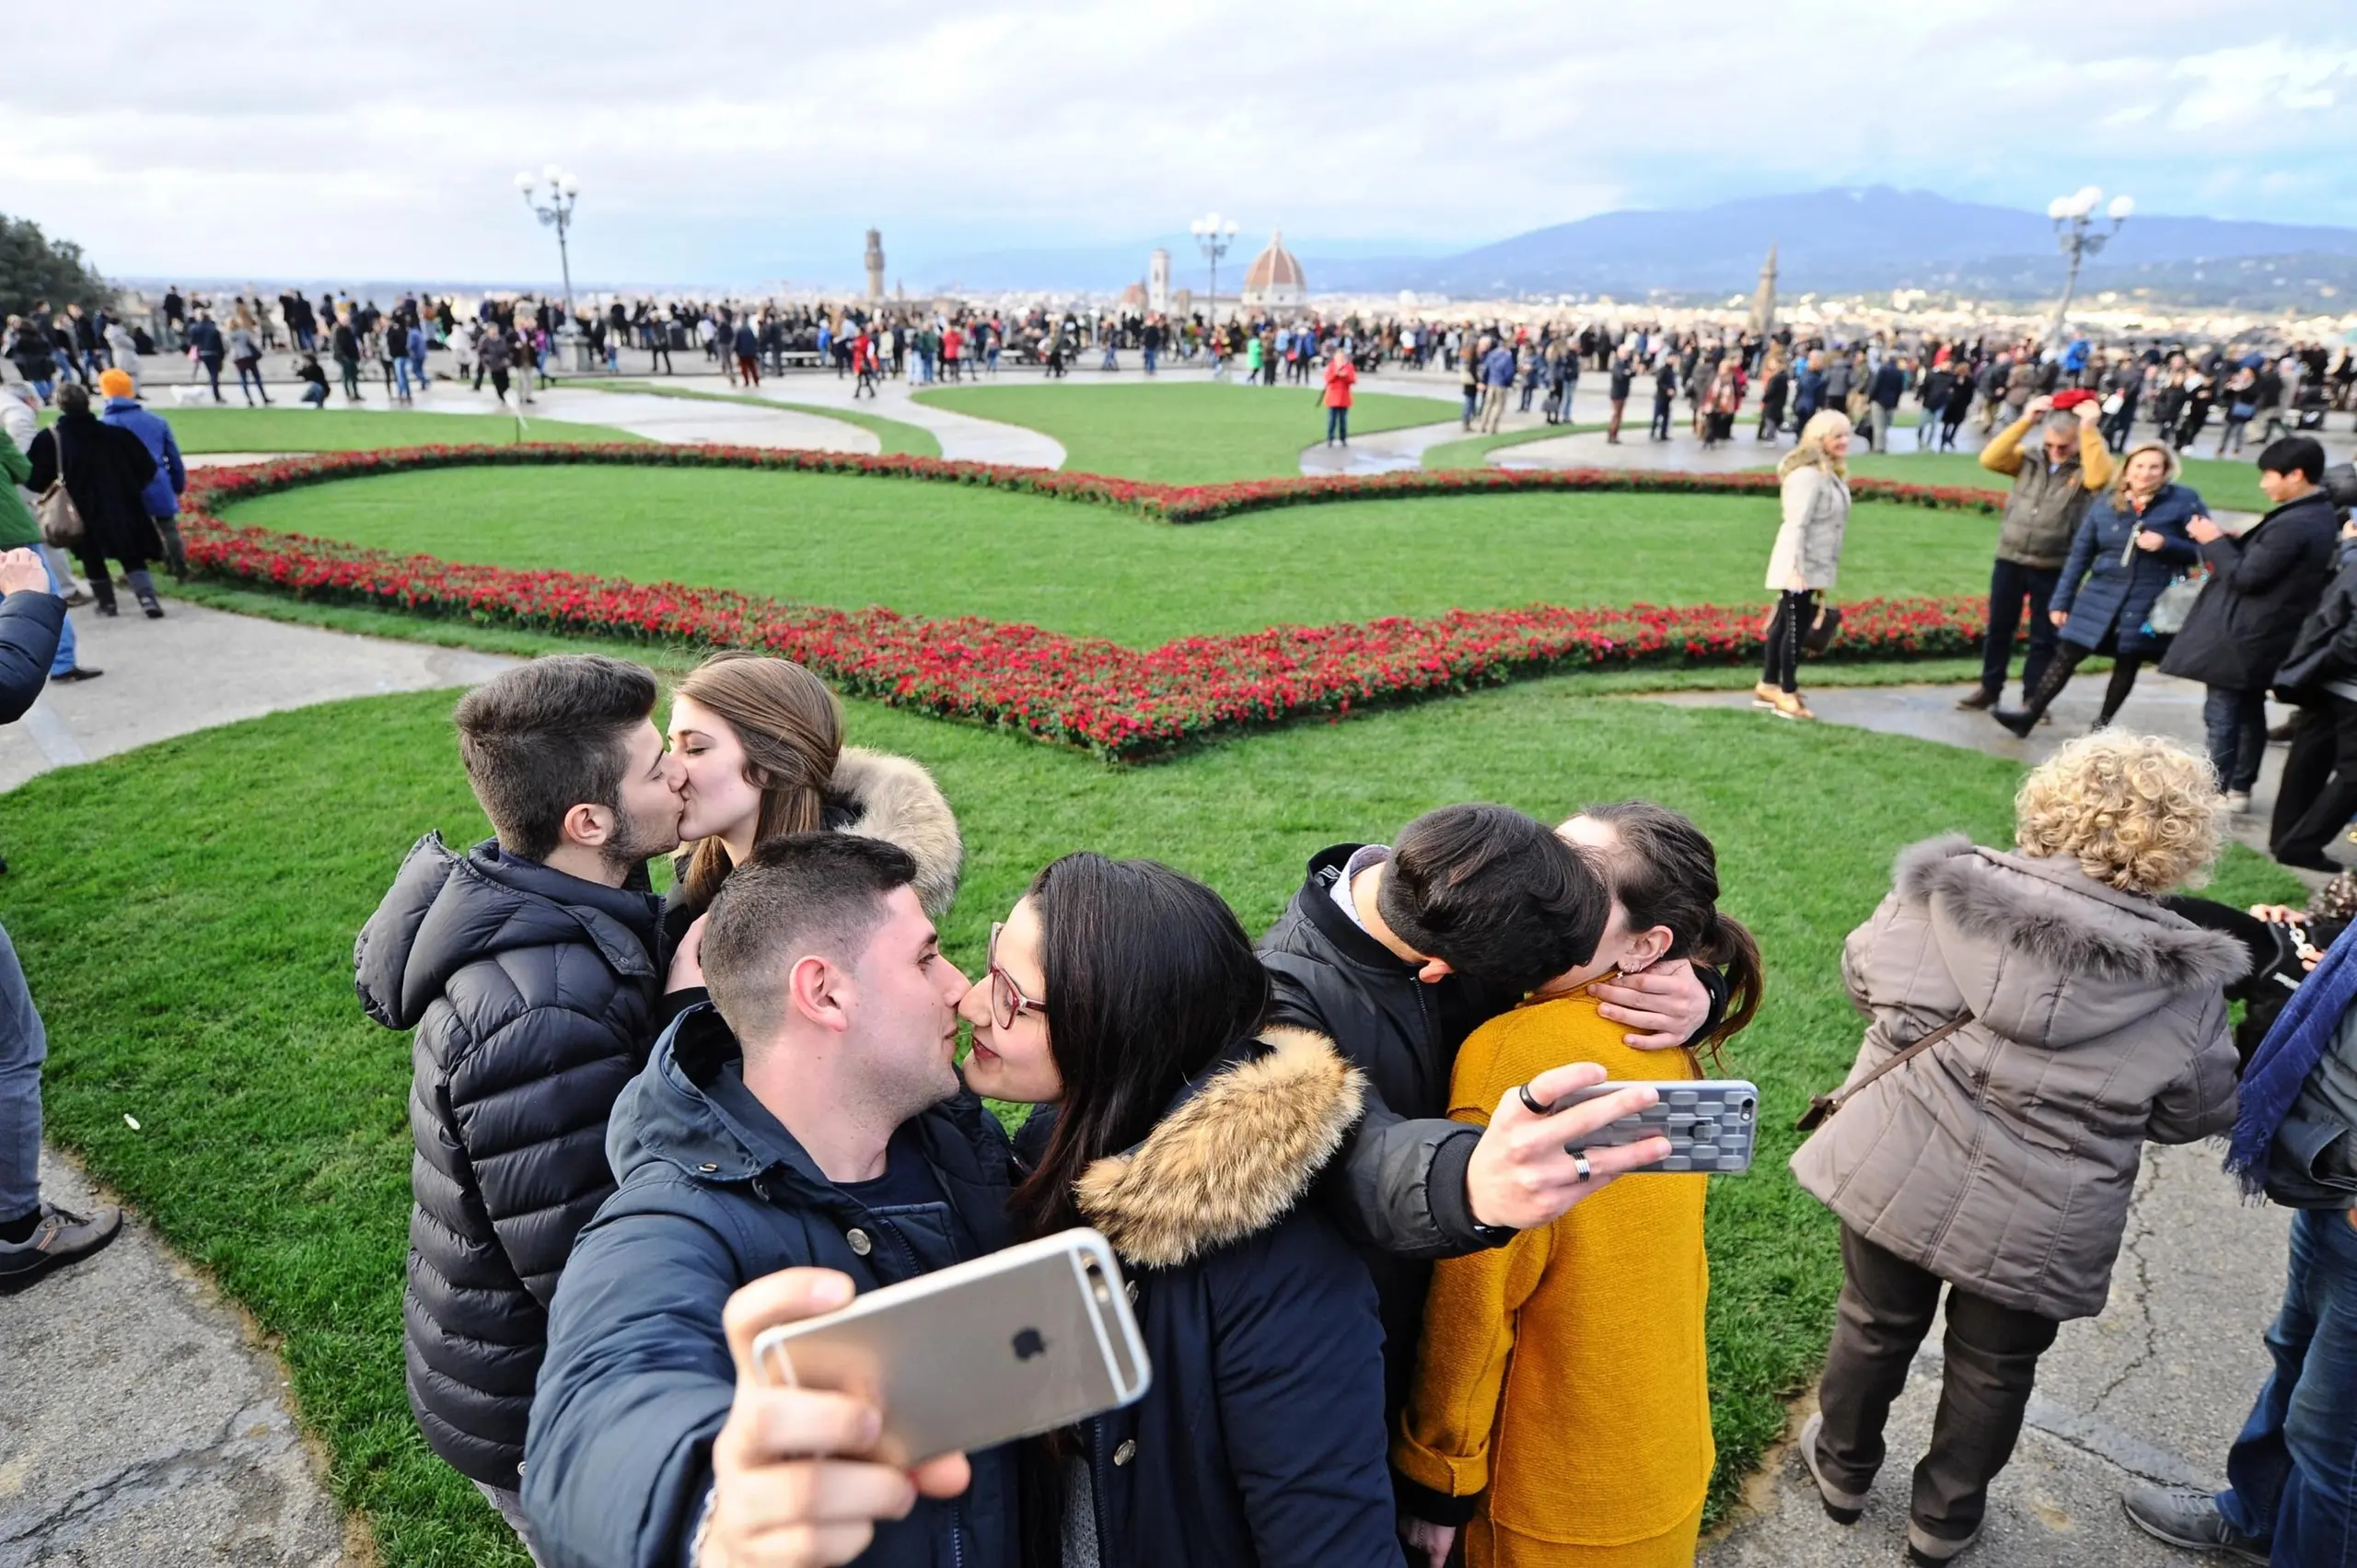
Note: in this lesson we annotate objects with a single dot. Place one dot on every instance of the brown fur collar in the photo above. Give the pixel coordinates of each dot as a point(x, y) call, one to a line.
point(1233, 1159)
point(897, 801)
point(2070, 931)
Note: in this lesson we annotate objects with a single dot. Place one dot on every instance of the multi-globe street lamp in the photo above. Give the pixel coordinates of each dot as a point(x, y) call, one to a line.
point(2071, 216)
point(1215, 234)
point(554, 211)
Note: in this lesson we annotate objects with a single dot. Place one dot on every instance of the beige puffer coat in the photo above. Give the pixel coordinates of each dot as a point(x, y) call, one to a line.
point(2002, 1159)
point(1808, 541)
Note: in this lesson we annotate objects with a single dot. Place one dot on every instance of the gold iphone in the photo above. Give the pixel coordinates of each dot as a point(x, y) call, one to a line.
point(1021, 1341)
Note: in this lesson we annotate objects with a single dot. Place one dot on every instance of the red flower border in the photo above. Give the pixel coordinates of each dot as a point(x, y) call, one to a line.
point(1117, 702)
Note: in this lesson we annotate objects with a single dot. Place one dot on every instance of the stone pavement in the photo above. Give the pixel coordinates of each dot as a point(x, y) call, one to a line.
point(144, 1423)
point(2155, 1388)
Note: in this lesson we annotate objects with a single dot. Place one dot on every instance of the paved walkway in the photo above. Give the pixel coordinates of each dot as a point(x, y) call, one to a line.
point(2154, 1389)
point(144, 1423)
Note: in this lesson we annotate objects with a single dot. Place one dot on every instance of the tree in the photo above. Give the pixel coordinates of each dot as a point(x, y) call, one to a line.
point(35, 267)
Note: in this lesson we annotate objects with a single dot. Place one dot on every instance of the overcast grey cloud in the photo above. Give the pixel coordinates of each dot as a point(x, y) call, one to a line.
point(737, 142)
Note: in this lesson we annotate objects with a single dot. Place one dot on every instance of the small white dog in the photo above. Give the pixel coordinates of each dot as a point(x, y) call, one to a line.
point(183, 396)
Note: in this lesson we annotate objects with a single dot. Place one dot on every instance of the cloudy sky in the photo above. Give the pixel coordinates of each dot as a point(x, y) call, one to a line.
point(730, 142)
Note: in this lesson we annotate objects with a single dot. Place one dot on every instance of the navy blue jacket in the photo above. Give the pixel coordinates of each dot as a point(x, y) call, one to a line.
point(2122, 596)
point(1262, 1442)
point(30, 622)
point(638, 1378)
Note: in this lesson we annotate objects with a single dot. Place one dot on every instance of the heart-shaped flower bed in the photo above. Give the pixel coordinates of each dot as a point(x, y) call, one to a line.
point(1118, 701)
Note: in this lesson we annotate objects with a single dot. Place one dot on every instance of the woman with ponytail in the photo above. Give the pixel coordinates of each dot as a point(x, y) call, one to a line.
point(761, 742)
point(1535, 1352)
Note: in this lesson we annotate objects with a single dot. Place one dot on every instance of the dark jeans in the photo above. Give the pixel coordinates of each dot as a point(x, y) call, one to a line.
point(2008, 582)
point(1781, 668)
point(2234, 721)
point(1338, 425)
point(2293, 1474)
point(1885, 1310)
point(1659, 429)
point(2318, 791)
point(23, 1047)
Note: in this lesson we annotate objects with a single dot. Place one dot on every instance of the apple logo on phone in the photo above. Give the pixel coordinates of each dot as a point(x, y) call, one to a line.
point(1028, 1342)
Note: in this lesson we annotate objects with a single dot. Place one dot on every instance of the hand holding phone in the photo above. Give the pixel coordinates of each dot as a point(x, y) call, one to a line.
point(1525, 1171)
point(790, 1463)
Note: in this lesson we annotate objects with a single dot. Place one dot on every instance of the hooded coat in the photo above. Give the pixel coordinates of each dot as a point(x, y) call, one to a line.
point(530, 995)
point(639, 1377)
point(1262, 1442)
point(2003, 1158)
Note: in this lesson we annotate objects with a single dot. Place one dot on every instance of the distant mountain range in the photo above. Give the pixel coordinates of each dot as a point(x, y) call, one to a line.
point(1839, 240)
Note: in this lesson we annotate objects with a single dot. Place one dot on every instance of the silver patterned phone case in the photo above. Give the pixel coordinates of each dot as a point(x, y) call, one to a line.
point(1710, 1124)
point(1021, 1341)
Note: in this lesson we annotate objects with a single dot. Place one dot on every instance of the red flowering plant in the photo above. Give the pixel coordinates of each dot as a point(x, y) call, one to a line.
point(1118, 701)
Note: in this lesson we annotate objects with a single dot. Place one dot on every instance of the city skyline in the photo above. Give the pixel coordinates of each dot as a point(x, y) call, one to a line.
point(752, 145)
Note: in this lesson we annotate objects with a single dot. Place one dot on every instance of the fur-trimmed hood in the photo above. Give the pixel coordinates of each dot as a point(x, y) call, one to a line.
point(2047, 955)
point(895, 799)
point(1234, 1156)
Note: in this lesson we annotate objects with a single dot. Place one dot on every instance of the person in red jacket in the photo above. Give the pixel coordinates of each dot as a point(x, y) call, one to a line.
point(1339, 376)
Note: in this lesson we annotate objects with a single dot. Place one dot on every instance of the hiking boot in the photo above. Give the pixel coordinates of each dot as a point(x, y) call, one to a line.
point(1980, 698)
point(60, 1238)
point(2187, 1516)
point(1928, 1550)
point(1842, 1508)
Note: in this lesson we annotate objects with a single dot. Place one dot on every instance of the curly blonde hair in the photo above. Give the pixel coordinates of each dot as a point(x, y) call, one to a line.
point(2138, 812)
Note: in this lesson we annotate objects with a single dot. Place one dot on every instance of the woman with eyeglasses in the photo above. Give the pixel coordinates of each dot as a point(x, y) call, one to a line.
point(1124, 1001)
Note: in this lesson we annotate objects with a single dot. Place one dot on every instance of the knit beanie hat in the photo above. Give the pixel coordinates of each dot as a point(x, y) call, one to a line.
point(115, 383)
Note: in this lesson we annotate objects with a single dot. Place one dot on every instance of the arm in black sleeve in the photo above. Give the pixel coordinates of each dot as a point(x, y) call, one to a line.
point(31, 624)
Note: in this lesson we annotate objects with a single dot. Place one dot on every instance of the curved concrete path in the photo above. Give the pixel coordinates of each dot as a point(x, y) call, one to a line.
point(143, 1421)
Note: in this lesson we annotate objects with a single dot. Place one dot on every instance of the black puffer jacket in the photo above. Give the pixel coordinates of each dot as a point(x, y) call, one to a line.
point(531, 993)
point(2262, 587)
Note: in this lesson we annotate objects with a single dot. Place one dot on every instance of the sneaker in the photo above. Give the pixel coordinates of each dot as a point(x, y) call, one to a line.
point(1788, 706)
point(1928, 1550)
point(2186, 1517)
point(1842, 1508)
point(60, 1238)
point(1763, 695)
point(1981, 697)
point(2237, 802)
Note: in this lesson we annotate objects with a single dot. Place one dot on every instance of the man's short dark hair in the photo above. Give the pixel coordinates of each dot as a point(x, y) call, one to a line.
point(551, 735)
point(2294, 454)
point(795, 895)
point(1495, 893)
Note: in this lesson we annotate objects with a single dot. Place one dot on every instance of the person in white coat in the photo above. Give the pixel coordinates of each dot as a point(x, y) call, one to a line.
point(1808, 556)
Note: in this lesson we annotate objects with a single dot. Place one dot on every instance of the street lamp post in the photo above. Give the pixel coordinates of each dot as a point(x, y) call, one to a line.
point(2071, 216)
point(554, 211)
point(1215, 234)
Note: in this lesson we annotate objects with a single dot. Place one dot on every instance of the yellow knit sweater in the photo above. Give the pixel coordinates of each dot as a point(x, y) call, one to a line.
point(1565, 1371)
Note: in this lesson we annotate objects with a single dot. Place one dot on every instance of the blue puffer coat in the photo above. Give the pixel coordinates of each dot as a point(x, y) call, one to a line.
point(2117, 594)
point(638, 1377)
point(1261, 1443)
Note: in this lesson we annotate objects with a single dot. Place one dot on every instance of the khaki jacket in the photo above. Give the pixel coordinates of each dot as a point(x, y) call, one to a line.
point(2003, 1158)
point(2044, 510)
point(1816, 514)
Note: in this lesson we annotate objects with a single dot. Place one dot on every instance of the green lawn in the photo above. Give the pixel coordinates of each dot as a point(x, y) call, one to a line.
point(1474, 451)
point(335, 429)
point(2230, 485)
point(896, 434)
point(273, 1145)
point(1195, 432)
point(945, 550)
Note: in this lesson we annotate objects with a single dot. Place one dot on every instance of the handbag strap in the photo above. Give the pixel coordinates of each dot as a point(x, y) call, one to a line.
point(1825, 1106)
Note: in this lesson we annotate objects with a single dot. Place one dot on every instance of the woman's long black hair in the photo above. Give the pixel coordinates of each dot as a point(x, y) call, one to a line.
point(1150, 979)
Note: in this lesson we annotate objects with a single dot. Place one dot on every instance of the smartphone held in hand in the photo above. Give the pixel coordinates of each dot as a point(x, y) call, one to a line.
point(1021, 1341)
point(1710, 1124)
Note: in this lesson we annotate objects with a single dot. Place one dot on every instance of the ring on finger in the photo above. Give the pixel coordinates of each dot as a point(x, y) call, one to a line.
point(1579, 1162)
point(1530, 1102)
